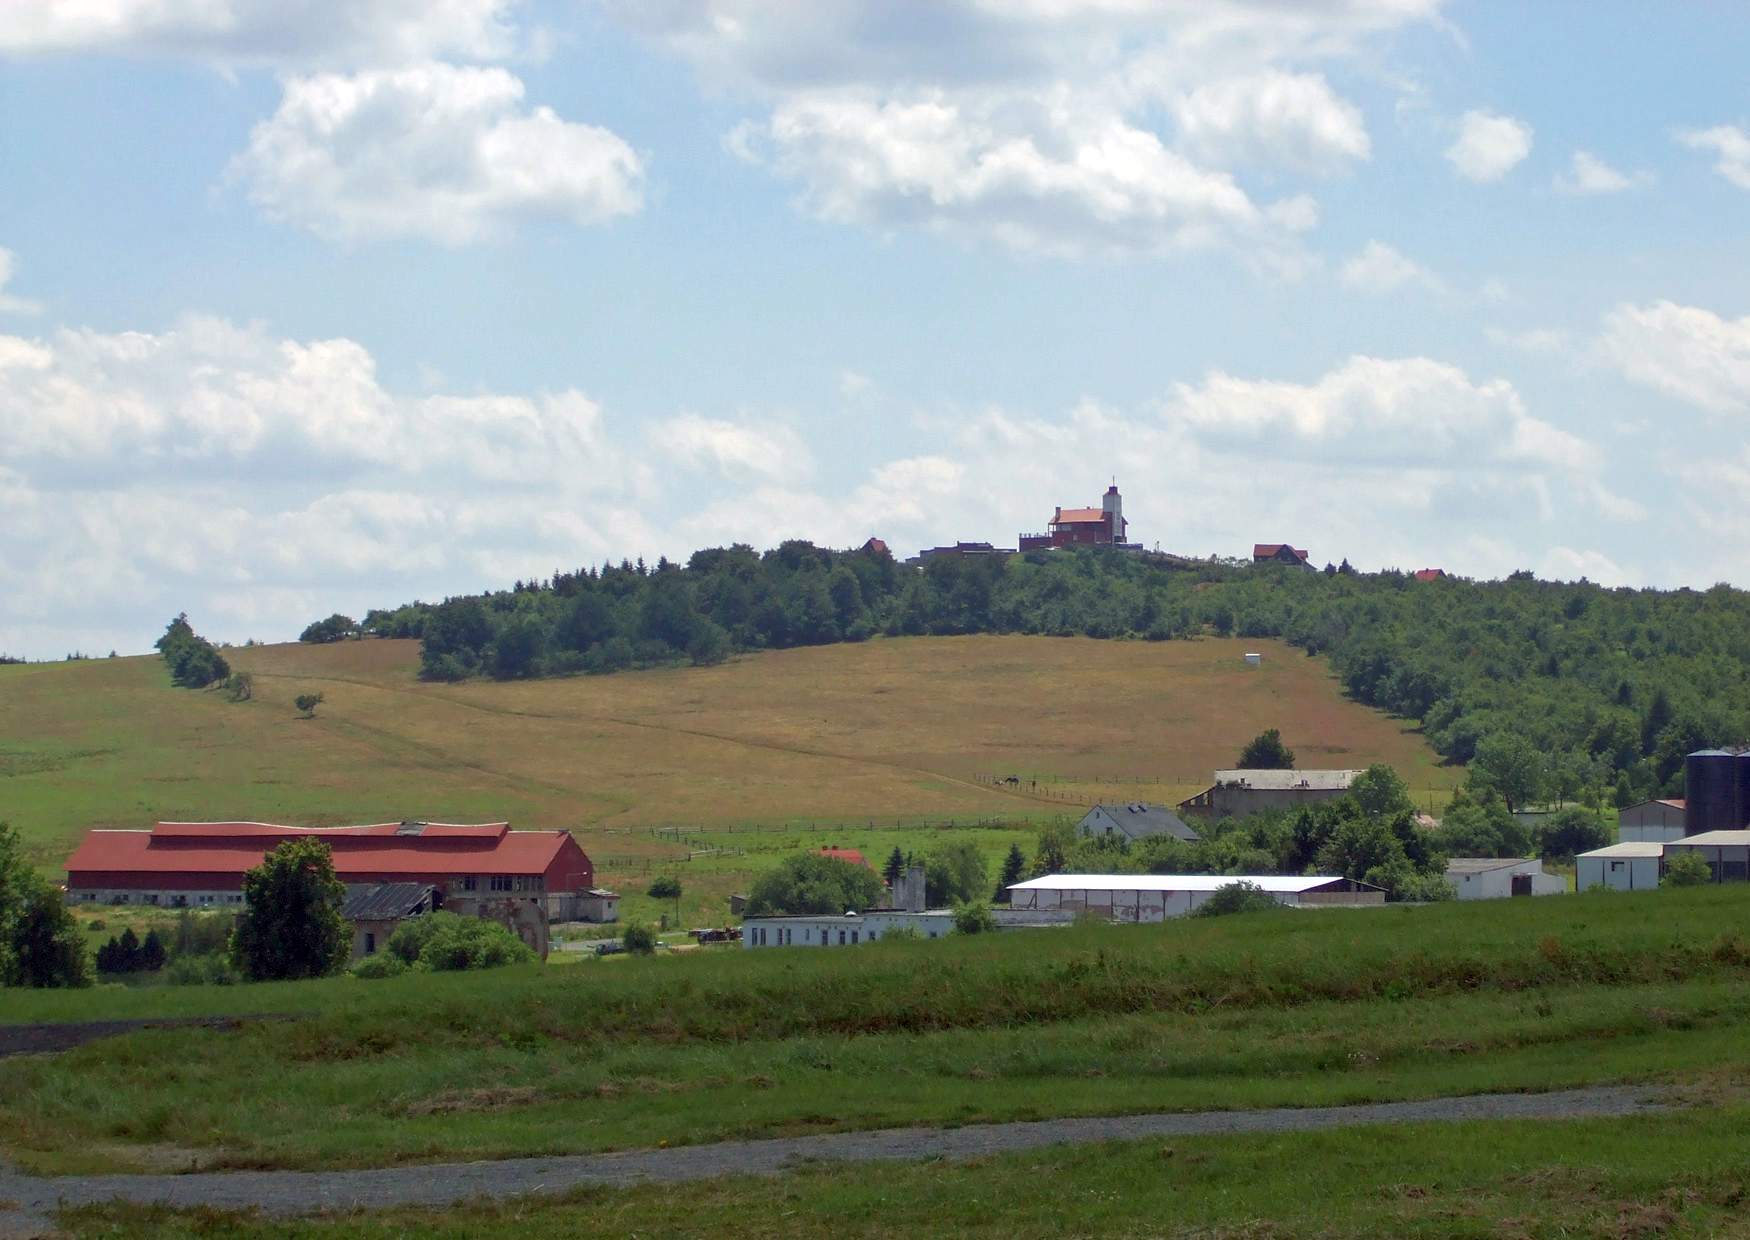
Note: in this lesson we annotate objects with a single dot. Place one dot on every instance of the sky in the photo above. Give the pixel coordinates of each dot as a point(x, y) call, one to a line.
point(321, 305)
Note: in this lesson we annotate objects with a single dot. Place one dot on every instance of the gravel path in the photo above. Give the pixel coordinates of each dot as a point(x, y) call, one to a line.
point(303, 1192)
point(65, 1035)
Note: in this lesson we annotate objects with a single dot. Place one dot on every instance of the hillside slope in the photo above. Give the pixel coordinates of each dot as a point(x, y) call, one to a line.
point(890, 729)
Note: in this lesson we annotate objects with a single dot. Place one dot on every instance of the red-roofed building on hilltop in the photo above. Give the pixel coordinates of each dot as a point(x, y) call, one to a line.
point(1279, 553)
point(1430, 574)
point(1083, 527)
point(845, 854)
point(474, 868)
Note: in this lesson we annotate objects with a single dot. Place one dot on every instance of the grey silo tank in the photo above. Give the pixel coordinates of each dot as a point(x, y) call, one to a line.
point(1712, 791)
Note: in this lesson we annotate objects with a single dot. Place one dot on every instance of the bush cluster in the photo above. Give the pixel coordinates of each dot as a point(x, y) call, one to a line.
point(194, 662)
point(444, 942)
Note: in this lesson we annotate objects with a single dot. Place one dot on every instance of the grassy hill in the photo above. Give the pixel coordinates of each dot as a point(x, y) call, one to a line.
point(863, 745)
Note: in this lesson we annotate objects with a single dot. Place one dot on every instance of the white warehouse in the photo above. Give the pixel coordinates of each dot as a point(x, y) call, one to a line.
point(1633, 866)
point(1156, 897)
point(1497, 878)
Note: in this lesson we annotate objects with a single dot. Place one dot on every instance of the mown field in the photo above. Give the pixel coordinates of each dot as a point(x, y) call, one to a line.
point(863, 746)
point(1270, 1009)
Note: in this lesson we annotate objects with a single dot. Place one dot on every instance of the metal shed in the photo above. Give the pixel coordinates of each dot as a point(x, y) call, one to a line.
point(1632, 866)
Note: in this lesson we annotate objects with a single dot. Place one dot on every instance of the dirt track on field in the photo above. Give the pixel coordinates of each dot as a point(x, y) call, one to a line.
point(27, 1203)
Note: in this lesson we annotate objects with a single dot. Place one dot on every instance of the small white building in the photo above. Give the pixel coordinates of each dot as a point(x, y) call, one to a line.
point(1726, 852)
point(1631, 866)
point(1156, 897)
point(1253, 658)
point(1497, 878)
point(1650, 821)
point(844, 929)
point(1137, 820)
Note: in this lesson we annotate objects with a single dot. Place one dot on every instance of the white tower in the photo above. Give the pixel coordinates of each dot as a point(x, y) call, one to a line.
point(1113, 506)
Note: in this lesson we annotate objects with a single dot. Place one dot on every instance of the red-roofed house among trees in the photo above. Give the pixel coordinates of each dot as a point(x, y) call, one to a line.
point(1430, 574)
point(1083, 527)
point(201, 864)
point(1279, 553)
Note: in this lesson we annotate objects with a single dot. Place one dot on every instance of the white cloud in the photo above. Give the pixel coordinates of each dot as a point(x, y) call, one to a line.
point(1057, 126)
point(430, 150)
point(733, 449)
point(10, 304)
point(1066, 183)
point(1530, 340)
point(1568, 564)
point(1730, 144)
point(1686, 352)
point(1587, 174)
point(854, 385)
point(1407, 411)
point(1272, 119)
point(1379, 268)
point(262, 32)
point(1489, 146)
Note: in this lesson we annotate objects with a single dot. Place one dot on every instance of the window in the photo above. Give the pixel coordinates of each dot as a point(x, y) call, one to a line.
point(501, 882)
point(841, 938)
point(370, 942)
point(1615, 866)
point(853, 936)
point(468, 883)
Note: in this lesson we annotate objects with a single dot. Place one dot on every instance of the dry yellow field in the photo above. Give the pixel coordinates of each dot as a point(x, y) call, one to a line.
point(890, 730)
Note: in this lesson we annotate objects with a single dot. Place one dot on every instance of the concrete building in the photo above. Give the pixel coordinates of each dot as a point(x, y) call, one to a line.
point(1650, 821)
point(1156, 897)
point(1630, 866)
point(851, 927)
point(1495, 878)
point(1136, 820)
point(375, 912)
point(1726, 852)
point(1234, 794)
point(596, 904)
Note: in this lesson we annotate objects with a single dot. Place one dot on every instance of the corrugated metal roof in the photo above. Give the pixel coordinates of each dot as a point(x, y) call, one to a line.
point(1715, 839)
point(1634, 848)
point(1274, 883)
point(1277, 781)
point(1483, 865)
point(386, 901)
point(359, 852)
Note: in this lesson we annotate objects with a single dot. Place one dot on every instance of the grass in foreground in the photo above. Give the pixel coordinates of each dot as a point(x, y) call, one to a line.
point(1672, 1174)
point(1268, 1009)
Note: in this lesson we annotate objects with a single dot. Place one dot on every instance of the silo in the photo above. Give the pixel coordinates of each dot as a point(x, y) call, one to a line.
point(1712, 794)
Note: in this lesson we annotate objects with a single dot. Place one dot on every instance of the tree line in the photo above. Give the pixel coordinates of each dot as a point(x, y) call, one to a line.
point(1606, 690)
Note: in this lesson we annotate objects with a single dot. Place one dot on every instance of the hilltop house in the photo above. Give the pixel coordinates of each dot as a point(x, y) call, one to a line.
point(1234, 794)
point(1134, 821)
point(1084, 527)
point(1279, 553)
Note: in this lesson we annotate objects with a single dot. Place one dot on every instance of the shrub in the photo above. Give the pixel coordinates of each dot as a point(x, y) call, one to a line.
point(443, 942)
point(665, 887)
point(1686, 869)
point(336, 628)
point(639, 940)
point(239, 687)
point(1237, 897)
point(1266, 752)
point(307, 703)
point(208, 969)
point(379, 965)
point(1570, 832)
point(812, 884)
point(973, 918)
point(291, 925)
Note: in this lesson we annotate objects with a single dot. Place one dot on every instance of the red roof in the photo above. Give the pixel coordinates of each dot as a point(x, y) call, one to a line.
point(1079, 516)
point(1271, 550)
point(224, 850)
point(844, 854)
point(876, 546)
point(1430, 574)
